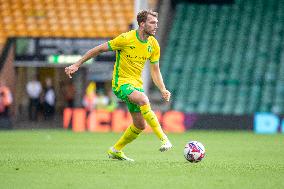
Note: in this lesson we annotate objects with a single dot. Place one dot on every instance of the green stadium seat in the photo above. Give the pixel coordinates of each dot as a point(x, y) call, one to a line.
point(227, 59)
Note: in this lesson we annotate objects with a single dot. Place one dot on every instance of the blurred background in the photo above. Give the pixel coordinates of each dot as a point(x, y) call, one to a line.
point(223, 61)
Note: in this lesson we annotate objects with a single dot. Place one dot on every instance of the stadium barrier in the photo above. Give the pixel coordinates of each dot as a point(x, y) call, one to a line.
point(103, 121)
point(172, 121)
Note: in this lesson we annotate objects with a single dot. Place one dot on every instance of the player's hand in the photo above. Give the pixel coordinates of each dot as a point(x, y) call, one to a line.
point(166, 95)
point(71, 69)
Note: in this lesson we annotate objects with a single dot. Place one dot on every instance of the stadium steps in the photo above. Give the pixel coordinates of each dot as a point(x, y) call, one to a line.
point(84, 18)
point(226, 59)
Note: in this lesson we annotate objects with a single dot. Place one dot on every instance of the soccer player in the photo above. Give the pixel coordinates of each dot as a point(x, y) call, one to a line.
point(133, 49)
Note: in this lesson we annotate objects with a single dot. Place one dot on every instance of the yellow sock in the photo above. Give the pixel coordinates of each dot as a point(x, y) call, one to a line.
point(152, 120)
point(128, 136)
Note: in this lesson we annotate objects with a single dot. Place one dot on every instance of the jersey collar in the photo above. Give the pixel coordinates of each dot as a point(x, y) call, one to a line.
point(142, 41)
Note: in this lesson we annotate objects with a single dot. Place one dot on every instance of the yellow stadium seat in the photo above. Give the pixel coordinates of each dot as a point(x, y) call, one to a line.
point(83, 18)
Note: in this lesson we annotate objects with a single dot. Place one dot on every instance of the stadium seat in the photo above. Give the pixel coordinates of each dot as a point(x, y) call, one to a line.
point(83, 18)
point(227, 59)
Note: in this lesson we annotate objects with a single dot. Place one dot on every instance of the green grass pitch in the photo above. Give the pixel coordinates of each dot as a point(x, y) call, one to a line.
point(63, 159)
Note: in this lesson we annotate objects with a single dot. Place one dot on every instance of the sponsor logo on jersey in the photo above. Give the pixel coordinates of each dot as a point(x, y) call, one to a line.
point(136, 57)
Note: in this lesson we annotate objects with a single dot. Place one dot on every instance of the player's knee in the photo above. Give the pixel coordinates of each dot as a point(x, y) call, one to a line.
point(143, 101)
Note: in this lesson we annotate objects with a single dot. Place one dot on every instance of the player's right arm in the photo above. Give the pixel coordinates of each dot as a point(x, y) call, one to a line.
point(90, 54)
point(116, 44)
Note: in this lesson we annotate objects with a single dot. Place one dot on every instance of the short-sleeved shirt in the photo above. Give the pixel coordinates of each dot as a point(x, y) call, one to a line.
point(131, 56)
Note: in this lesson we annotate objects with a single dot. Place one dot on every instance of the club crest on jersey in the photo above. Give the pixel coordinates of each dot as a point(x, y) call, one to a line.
point(149, 48)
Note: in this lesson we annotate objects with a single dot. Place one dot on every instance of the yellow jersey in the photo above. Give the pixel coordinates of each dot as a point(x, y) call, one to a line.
point(131, 56)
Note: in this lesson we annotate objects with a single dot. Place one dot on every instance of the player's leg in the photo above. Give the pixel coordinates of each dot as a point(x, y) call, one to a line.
point(131, 133)
point(138, 120)
point(142, 101)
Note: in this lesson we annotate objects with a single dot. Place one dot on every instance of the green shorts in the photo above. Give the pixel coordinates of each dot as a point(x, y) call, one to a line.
point(123, 92)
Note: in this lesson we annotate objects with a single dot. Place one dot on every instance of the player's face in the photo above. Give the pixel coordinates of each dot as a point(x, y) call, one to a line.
point(151, 25)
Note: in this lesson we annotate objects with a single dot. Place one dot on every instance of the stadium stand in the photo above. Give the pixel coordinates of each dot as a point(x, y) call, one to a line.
point(2, 36)
point(1, 47)
point(222, 71)
point(60, 18)
point(153, 4)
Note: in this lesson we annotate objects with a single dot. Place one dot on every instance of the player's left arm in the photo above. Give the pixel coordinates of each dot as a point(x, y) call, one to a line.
point(155, 70)
point(158, 80)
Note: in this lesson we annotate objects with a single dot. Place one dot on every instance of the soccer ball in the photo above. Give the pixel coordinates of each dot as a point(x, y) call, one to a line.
point(194, 151)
